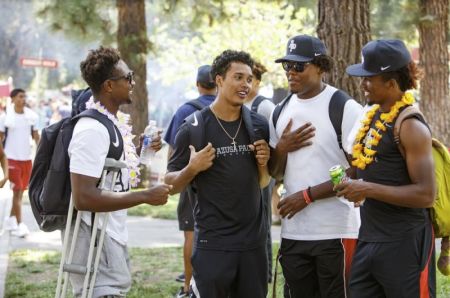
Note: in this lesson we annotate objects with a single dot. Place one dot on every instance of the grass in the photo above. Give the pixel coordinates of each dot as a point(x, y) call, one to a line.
point(442, 285)
point(33, 273)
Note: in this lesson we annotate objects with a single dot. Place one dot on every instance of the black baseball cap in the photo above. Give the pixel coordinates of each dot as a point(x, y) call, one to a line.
point(204, 75)
point(381, 56)
point(303, 48)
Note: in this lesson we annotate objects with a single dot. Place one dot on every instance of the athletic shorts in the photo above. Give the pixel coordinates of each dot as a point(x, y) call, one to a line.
point(19, 173)
point(399, 269)
point(229, 274)
point(317, 268)
point(113, 274)
point(185, 212)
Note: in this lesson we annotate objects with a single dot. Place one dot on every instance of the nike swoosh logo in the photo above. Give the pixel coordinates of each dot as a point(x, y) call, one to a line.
point(384, 68)
point(317, 54)
point(195, 123)
point(116, 143)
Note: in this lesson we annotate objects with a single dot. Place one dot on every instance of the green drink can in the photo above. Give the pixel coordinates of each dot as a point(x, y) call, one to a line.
point(337, 174)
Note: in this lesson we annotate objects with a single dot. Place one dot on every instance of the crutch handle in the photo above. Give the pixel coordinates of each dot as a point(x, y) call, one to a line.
point(73, 268)
point(113, 165)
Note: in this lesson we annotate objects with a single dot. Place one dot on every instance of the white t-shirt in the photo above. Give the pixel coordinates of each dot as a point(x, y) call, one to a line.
point(19, 140)
point(330, 218)
point(87, 151)
point(265, 108)
point(352, 135)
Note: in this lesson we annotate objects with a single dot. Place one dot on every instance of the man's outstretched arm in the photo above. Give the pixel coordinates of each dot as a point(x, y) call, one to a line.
point(87, 197)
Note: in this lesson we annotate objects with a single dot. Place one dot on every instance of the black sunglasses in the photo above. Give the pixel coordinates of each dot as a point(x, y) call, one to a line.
point(296, 66)
point(129, 77)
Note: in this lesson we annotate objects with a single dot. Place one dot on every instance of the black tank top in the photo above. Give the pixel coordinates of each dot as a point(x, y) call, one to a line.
point(384, 222)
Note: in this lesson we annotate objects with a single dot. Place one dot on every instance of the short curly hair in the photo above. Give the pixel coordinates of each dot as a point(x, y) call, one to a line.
point(99, 66)
point(407, 77)
point(223, 62)
point(259, 70)
point(323, 62)
point(16, 91)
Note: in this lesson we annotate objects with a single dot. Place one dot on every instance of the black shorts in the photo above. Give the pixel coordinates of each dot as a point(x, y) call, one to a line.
point(400, 269)
point(229, 274)
point(316, 268)
point(185, 212)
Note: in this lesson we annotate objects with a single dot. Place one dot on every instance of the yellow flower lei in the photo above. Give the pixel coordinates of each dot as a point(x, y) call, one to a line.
point(363, 150)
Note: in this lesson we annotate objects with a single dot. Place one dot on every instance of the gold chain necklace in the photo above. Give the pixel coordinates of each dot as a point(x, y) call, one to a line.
point(233, 141)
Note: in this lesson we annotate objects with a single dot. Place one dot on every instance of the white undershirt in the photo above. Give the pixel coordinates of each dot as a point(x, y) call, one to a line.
point(19, 139)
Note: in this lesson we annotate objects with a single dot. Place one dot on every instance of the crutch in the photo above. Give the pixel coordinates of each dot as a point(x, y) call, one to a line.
point(66, 267)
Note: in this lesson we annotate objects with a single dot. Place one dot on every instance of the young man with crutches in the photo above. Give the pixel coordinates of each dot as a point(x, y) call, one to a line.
point(111, 82)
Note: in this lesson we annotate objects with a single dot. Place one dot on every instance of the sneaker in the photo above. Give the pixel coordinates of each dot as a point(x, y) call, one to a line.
point(10, 224)
point(180, 278)
point(182, 294)
point(21, 231)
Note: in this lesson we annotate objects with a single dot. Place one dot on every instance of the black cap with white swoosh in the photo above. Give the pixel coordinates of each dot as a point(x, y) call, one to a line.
point(303, 48)
point(381, 56)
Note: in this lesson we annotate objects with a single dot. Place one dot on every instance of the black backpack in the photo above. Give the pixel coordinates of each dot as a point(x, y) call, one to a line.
point(335, 112)
point(49, 188)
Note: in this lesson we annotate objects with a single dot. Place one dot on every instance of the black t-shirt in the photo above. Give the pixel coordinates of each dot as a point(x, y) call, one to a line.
point(228, 212)
point(384, 222)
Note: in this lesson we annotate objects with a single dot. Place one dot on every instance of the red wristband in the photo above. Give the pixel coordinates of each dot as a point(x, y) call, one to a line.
point(306, 197)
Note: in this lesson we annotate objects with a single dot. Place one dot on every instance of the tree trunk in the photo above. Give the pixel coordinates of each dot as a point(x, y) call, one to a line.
point(344, 27)
point(434, 59)
point(133, 45)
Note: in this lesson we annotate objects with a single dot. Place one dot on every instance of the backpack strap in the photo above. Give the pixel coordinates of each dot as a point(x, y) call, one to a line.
point(248, 122)
point(116, 145)
point(408, 112)
point(336, 113)
point(278, 108)
point(196, 130)
point(196, 103)
point(196, 127)
point(258, 100)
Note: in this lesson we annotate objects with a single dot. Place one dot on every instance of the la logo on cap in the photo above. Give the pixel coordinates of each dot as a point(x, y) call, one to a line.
point(292, 46)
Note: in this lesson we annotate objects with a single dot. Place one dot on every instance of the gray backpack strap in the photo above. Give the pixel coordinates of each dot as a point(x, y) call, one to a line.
point(258, 100)
point(336, 113)
point(406, 113)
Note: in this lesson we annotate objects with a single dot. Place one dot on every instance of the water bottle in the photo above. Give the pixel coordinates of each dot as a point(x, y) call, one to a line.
point(150, 132)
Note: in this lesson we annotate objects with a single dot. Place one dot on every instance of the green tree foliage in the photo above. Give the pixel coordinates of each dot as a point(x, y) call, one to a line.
point(260, 28)
point(24, 35)
point(395, 19)
point(84, 20)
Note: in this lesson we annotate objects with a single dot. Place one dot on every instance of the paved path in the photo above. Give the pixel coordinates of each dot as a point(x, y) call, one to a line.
point(143, 232)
